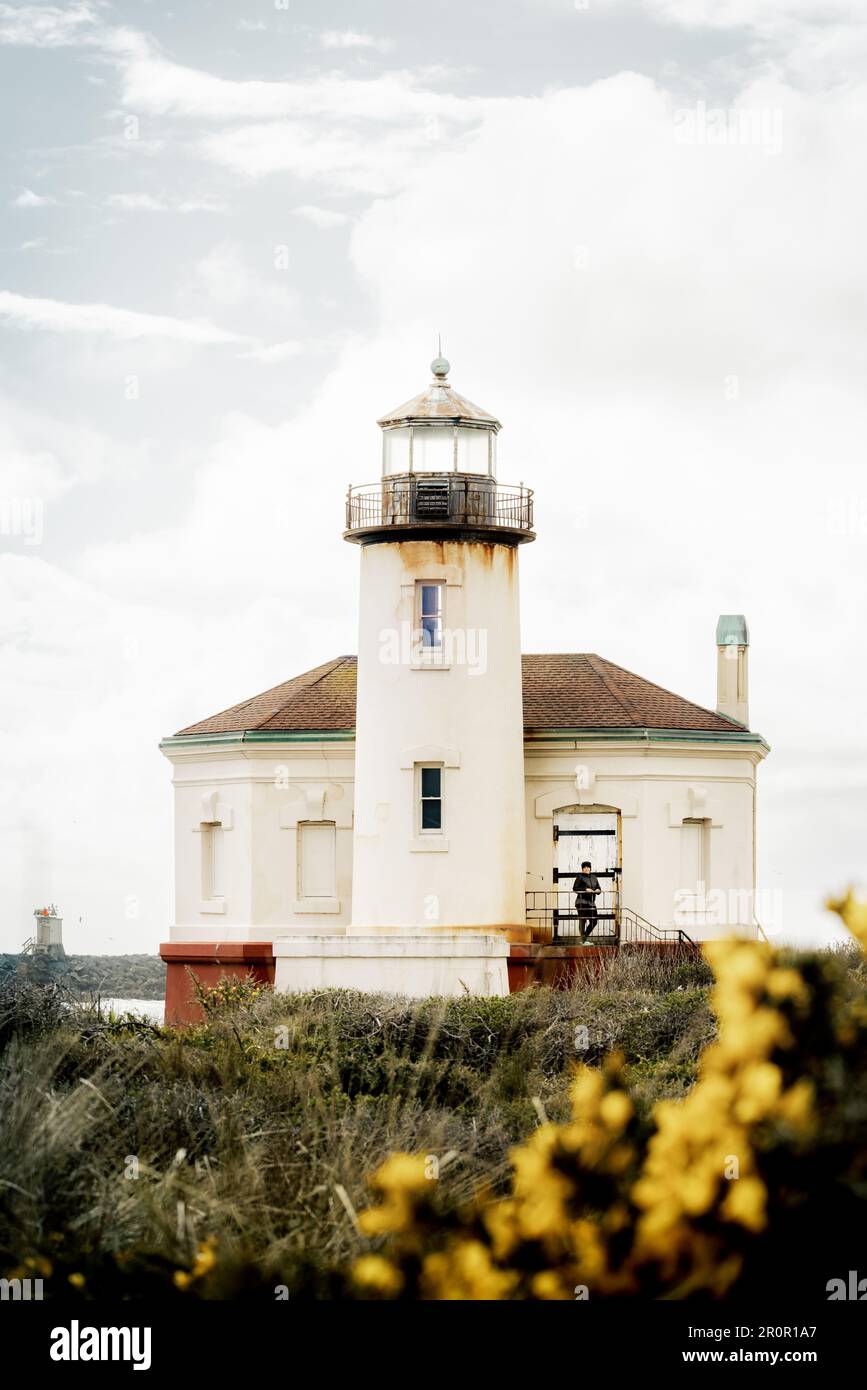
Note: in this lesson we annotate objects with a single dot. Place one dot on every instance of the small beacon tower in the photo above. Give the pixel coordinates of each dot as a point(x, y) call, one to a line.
point(439, 871)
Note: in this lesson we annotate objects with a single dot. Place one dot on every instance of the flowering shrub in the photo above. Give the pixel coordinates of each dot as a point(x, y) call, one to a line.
point(755, 1182)
point(231, 992)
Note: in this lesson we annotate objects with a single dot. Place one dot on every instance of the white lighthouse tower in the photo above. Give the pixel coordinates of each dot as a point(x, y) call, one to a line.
point(439, 841)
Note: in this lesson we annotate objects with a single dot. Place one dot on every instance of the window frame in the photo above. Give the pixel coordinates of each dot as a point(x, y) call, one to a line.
point(209, 863)
point(430, 654)
point(314, 899)
point(694, 896)
point(421, 798)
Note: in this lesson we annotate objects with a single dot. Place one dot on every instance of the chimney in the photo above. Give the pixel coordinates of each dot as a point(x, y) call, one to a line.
point(732, 647)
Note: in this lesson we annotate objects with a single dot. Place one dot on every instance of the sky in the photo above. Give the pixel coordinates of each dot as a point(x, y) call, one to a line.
point(229, 236)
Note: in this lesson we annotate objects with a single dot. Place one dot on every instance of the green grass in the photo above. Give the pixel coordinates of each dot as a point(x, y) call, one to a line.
point(123, 1145)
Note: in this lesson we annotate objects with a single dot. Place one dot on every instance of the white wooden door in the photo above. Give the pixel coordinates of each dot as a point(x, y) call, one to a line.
point(593, 835)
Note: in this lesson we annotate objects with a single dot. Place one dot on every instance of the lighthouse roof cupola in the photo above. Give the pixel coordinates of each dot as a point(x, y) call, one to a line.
point(439, 431)
point(439, 464)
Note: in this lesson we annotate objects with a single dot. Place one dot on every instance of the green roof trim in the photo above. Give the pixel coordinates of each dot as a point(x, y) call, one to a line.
point(721, 738)
point(260, 736)
point(738, 735)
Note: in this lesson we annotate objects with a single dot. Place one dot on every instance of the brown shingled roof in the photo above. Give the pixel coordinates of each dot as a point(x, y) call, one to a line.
point(323, 698)
point(561, 691)
point(583, 691)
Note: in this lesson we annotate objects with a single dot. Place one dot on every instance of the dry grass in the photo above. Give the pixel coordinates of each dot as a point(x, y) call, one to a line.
point(124, 1147)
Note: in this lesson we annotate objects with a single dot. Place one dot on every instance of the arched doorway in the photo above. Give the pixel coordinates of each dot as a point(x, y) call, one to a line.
point(587, 833)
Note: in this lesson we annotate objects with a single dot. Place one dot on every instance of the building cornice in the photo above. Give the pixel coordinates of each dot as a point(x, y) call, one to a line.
point(720, 738)
point(254, 736)
point(752, 743)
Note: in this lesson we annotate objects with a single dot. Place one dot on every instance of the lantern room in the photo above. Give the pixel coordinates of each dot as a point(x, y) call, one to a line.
point(439, 432)
point(439, 475)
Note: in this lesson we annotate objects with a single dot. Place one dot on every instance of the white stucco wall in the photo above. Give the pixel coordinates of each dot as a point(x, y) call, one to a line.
point(466, 715)
point(656, 788)
point(414, 964)
point(264, 790)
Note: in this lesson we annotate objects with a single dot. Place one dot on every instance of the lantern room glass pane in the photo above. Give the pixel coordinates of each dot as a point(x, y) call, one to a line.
point(473, 450)
point(395, 451)
point(433, 448)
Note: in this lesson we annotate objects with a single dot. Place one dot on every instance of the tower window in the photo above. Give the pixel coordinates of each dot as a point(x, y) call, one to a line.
point(430, 617)
point(431, 799)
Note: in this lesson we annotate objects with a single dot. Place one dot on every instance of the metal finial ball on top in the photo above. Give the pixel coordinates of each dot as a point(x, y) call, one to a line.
point(440, 366)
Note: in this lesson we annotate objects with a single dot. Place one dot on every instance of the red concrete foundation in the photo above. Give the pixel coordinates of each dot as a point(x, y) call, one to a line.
point(558, 966)
point(209, 962)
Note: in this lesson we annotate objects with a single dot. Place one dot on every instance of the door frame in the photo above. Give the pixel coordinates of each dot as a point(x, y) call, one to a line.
point(616, 874)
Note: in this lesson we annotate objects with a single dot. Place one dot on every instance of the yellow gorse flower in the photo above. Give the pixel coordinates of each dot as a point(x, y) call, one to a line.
point(206, 1258)
point(606, 1215)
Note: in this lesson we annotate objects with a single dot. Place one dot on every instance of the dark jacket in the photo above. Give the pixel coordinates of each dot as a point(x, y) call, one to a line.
point(586, 888)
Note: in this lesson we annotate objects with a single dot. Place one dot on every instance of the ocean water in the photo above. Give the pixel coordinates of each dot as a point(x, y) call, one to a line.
point(154, 1009)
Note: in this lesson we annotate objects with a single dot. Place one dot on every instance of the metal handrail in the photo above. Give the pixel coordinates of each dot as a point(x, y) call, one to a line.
point(645, 930)
point(551, 907)
point(412, 499)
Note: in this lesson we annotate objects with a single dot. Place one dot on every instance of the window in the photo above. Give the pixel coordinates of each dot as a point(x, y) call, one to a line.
point(213, 861)
point(430, 799)
point(430, 619)
point(694, 862)
point(317, 859)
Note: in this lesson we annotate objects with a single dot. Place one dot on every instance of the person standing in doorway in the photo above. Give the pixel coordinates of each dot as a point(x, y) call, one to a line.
point(586, 888)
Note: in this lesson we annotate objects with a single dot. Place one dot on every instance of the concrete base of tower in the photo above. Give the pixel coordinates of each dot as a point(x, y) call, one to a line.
point(417, 964)
point(513, 931)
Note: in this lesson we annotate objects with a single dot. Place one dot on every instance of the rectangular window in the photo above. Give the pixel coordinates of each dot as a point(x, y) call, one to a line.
point(431, 799)
point(213, 861)
point(317, 859)
point(430, 618)
point(694, 863)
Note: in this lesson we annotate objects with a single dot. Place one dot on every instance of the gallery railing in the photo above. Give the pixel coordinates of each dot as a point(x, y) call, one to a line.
point(440, 499)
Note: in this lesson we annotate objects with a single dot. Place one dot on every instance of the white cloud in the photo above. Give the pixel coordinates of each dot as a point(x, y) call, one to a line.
point(599, 286)
point(767, 16)
point(274, 353)
point(350, 38)
point(228, 281)
point(153, 84)
point(147, 202)
point(28, 199)
point(46, 26)
point(323, 218)
point(136, 202)
point(816, 43)
point(340, 158)
point(43, 458)
point(22, 311)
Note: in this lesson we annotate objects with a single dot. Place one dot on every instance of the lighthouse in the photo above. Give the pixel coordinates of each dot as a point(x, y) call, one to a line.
point(411, 820)
point(439, 842)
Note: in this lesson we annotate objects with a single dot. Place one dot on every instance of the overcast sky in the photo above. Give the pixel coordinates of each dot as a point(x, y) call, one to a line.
point(230, 235)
